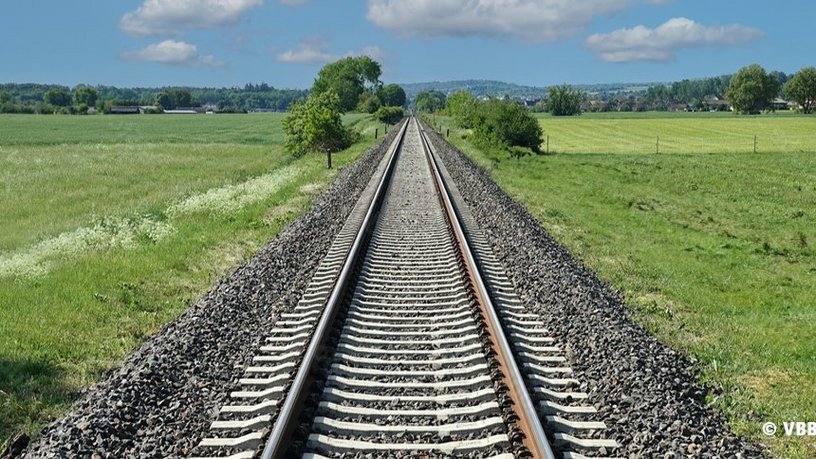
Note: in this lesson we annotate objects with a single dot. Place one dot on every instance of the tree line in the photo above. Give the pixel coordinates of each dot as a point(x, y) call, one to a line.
point(751, 90)
point(40, 98)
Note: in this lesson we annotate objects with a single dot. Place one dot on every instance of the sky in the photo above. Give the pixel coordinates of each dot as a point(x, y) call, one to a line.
point(225, 43)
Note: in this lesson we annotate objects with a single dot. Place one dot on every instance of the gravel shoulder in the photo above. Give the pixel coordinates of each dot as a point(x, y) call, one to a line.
point(162, 398)
point(647, 393)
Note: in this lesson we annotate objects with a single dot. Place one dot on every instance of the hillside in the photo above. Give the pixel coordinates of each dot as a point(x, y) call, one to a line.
point(500, 88)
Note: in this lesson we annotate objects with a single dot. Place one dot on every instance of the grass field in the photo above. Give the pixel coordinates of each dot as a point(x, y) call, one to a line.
point(715, 251)
point(110, 226)
point(635, 133)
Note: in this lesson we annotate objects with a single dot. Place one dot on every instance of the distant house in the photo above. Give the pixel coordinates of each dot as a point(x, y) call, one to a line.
point(680, 107)
point(595, 106)
point(185, 111)
point(716, 104)
point(125, 110)
point(782, 104)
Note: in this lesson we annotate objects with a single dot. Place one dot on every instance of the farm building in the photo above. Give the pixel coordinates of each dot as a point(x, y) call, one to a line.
point(185, 111)
point(125, 110)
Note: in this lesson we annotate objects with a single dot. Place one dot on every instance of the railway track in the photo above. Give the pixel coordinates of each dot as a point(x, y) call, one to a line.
point(408, 342)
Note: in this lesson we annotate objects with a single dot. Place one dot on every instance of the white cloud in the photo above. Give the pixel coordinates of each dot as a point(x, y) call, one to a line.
point(156, 17)
point(172, 52)
point(315, 50)
point(530, 20)
point(662, 43)
point(309, 51)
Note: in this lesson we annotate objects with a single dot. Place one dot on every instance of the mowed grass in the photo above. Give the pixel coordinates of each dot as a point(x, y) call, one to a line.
point(636, 133)
point(715, 252)
point(110, 226)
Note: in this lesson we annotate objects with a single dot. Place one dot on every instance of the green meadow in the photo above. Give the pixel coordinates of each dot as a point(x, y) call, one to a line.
point(712, 246)
point(679, 133)
point(110, 226)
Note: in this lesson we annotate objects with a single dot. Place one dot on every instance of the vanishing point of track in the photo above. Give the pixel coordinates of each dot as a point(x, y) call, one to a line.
point(409, 342)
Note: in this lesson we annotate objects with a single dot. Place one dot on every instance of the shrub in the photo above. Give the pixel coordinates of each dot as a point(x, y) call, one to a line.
point(462, 106)
point(389, 115)
point(505, 124)
point(369, 103)
point(315, 125)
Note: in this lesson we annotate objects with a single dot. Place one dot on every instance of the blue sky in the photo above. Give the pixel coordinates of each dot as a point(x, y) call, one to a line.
point(285, 42)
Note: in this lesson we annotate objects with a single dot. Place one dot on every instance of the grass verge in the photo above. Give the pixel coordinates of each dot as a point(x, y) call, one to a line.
point(714, 252)
point(107, 242)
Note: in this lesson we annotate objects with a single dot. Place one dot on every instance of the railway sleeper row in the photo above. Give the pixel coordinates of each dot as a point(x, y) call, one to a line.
point(412, 373)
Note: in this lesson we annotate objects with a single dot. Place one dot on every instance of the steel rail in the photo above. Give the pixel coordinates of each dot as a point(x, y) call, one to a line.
point(535, 437)
point(287, 418)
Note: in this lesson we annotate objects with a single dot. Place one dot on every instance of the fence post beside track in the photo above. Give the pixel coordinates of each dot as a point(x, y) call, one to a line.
point(755, 144)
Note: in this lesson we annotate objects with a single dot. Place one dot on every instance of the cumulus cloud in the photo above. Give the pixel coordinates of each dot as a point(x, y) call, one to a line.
point(530, 20)
point(310, 51)
point(662, 43)
point(156, 17)
point(172, 52)
point(315, 50)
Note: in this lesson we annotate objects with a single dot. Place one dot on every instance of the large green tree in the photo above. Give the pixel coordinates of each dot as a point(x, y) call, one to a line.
point(316, 125)
point(175, 98)
point(801, 88)
point(348, 78)
point(752, 89)
point(430, 101)
point(85, 95)
point(565, 100)
point(392, 95)
point(4, 97)
point(57, 96)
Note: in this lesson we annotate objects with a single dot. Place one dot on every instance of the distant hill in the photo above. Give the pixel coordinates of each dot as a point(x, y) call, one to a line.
point(499, 88)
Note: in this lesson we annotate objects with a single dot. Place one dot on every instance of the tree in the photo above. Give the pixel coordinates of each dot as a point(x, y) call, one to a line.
point(5, 97)
point(182, 98)
point(462, 106)
point(85, 95)
point(565, 100)
point(752, 89)
point(369, 103)
point(316, 125)
point(164, 101)
point(801, 88)
point(348, 78)
point(430, 101)
point(389, 115)
point(175, 98)
point(58, 97)
point(392, 95)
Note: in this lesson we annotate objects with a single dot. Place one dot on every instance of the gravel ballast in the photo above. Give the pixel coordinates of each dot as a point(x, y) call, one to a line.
point(646, 392)
point(162, 399)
